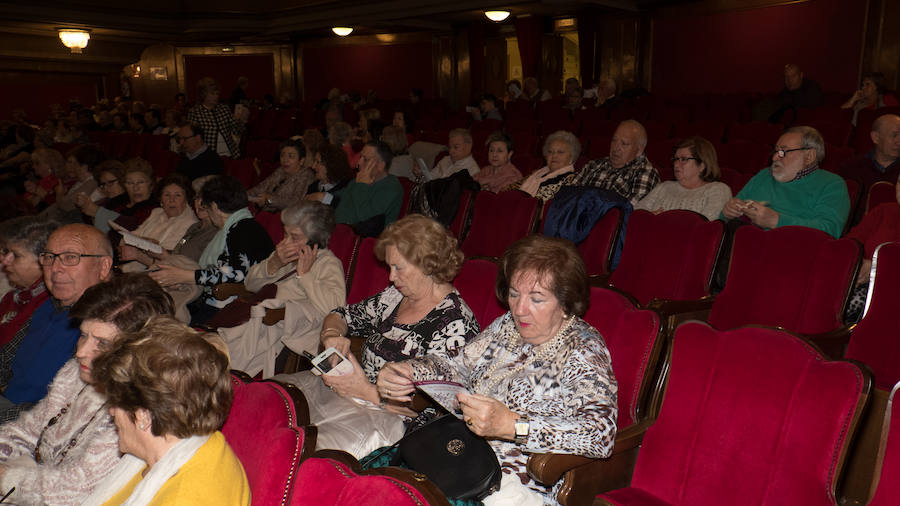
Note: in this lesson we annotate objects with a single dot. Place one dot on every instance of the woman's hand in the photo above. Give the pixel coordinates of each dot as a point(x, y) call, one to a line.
point(354, 384)
point(487, 416)
point(865, 268)
point(127, 252)
point(306, 256)
point(340, 343)
point(285, 252)
point(395, 381)
point(317, 196)
point(533, 182)
point(168, 275)
point(87, 206)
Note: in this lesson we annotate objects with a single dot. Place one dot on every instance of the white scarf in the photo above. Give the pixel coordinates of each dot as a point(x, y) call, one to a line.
point(217, 245)
point(156, 477)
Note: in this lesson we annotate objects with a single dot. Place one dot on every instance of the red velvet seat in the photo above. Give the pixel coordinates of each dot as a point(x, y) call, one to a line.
point(243, 169)
point(710, 129)
point(879, 193)
point(327, 482)
point(462, 213)
point(475, 283)
point(407, 185)
point(761, 132)
point(370, 275)
point(797, 278)
point(635, 345)
point(499, 219)
point(668, 256)
point(876, 339)
point(746, 156)
point(734, 179)
point(886, 483)
point(268, 431)
point(265, 150)
point(752, 416)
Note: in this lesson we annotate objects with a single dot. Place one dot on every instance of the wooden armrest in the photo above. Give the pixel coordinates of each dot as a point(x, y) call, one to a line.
point(667, 307)
point(599, 280)
point(224, 290)
point(833, 343)
point(273, 316)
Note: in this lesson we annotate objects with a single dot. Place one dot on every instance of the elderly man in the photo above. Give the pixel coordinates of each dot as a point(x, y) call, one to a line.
point(798, 93)
point(76, 257)
point(882, 162)
point(793, 191)
point(459, 158)
point(372, 201)
point(197, 160)
point(626, 170)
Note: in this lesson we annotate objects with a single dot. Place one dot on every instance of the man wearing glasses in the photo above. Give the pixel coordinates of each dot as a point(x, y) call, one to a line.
point(76, 258)
point(197, 160)
point(793, 190)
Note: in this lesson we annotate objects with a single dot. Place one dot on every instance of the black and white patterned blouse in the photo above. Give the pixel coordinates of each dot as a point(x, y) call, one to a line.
point(441, 332)
point(564, 386)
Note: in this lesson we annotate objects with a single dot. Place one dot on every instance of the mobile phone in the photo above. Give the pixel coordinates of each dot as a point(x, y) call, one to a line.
point(332, 363)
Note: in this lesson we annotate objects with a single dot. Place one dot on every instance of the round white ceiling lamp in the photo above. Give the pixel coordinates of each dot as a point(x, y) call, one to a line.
point(343, 31)
point(496, 16)
point(75, 40)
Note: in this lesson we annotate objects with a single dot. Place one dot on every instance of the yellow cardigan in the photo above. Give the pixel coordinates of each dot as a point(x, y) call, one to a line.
point(214, 475)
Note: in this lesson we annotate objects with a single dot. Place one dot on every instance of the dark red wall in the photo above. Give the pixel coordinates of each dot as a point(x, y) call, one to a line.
point(391, 70)
point(259, 69)
point(36, 91)
point(747, 50)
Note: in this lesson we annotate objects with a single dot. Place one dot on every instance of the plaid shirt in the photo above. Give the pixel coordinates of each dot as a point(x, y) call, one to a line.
point(217, 121)
point(632, 181)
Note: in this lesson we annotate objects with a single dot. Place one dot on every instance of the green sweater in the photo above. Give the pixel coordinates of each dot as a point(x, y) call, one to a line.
point(359, 201)
point(818, 200)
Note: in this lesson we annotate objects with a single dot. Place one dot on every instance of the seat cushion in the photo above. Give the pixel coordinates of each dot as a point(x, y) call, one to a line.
point(633, 497)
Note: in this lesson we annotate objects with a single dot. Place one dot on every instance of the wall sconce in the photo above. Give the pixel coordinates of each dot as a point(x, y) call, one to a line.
point(75, 40)
point(342, 31)
point(496, 16)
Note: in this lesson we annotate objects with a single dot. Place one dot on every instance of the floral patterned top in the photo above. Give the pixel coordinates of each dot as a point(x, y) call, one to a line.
point(246, 244)
point(564, 386)
point(448, 326)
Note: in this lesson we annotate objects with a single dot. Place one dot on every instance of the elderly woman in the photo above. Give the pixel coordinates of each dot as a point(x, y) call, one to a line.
point(139, 187)
point(872, 94)
point(500, 172)
point(696, 186)
point(168, 411)
point(309, 283)
point(23, 239)
point(539, 378)
point(287, 184)
point(878, 226)
point(110, 191)
point(332, 171)
point(80, 164)
point(419, 314)
point(57, 452)
point(239, 243)
point(561, 149)
point(47, 165)
point(221, 128)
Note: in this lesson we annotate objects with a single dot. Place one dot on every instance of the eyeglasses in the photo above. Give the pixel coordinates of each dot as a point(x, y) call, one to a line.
point(684, 159)
point(104, 184)
point(66, 258)
point(781, 153)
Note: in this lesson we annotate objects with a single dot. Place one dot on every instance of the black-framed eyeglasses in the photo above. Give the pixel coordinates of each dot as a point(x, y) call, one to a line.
point(104, 184)
point(66, 258)
point(684, 159)
point(783, 152)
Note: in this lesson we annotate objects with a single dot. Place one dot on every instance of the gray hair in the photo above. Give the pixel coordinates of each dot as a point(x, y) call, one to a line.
point(31, 232)
point(810, 138)
point(639, 128)
point(339, 133)
point(315, 219)
point(563, 136)
point(198, 183)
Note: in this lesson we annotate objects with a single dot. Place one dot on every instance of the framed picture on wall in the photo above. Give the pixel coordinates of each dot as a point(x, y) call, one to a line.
point(159, 74)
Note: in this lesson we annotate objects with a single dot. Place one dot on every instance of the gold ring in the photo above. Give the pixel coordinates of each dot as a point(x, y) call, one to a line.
point(469, 422)
point(388, 392)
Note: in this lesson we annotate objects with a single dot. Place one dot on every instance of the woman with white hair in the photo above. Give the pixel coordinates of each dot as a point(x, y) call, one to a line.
point(561, 149)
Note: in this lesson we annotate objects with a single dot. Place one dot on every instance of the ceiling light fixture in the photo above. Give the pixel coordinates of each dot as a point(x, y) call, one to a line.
point(343, 31)
point(75, 40)
point(496, 16)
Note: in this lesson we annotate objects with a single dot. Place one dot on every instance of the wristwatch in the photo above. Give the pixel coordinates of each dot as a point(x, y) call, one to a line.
point(522, 426)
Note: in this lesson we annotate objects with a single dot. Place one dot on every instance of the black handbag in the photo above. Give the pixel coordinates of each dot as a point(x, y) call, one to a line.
point(462, 464)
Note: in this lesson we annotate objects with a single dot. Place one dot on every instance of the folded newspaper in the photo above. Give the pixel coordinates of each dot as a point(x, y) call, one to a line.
point(133, 240)
point(443, 393)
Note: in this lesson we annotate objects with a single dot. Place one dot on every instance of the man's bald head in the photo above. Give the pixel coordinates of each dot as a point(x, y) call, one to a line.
point(886, 137)
point(793, 76)
point(67, 282)
point(628, 142)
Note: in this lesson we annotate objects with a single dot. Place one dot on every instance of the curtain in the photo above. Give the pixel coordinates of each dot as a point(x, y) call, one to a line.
point(529, 31)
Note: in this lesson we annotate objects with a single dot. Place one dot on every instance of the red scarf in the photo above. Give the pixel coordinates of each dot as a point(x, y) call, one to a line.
point(17, 306)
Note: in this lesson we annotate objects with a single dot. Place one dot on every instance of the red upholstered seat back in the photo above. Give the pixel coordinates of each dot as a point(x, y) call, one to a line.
point(881, 192)
point(326, 482)
point(407, 189)
point(267, 434)
point(632, 338)
point(475, 283)
point(462, 212)
point(793, 277)
point(597, 248)
point(752, 416)
point(887, 466)
point(668, 256)
point(876, 338)
point(343, 244)
point(370, 275)
point(499, 220)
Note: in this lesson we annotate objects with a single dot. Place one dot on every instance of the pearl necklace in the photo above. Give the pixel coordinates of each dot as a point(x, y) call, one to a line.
point(540, 352)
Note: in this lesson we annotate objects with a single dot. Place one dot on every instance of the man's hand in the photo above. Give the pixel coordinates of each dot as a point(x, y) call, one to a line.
point(733, 208)
point(366, 170)
point(761, 214)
